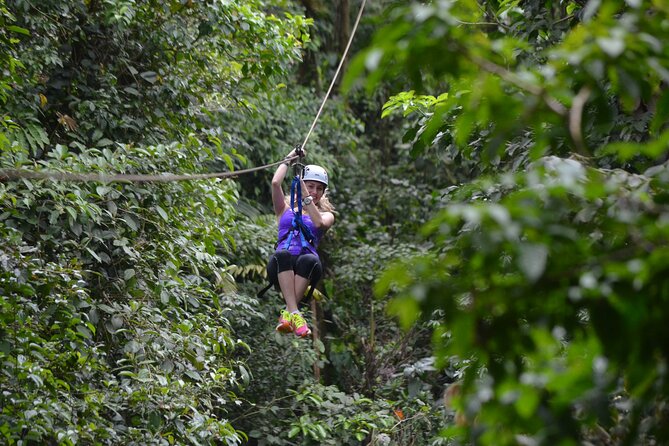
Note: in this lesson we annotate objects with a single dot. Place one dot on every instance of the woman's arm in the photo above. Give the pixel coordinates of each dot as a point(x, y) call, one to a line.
point(278, 198)
point(321, 220)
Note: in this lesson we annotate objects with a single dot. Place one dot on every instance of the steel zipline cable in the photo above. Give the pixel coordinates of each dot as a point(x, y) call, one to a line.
point(18, 174)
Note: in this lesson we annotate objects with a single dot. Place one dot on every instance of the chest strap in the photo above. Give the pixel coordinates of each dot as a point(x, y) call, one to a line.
point(298, 225)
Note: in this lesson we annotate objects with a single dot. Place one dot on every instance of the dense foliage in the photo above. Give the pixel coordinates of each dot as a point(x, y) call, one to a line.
point(547, 272)
point(100, 72)
point(115, 327)
point(496, 275)
point(117, 305)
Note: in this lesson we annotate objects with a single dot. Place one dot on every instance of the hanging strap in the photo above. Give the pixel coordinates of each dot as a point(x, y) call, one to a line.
point(306, 236)
point(262, 292)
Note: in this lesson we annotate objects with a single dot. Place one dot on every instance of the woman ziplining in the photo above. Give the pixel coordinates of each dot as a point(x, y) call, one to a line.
point(294, 266)
point(302, 222)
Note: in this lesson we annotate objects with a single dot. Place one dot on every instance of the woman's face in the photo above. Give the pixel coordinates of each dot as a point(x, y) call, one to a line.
point(316, 189)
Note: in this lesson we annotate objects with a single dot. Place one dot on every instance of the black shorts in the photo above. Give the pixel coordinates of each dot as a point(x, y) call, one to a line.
point(304, 265)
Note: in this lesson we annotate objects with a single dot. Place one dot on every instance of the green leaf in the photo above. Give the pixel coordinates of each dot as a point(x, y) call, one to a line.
point(661, 115)
point(246, 376)
point(95, 256)
point(36, 136)
point(228, 161)
point(527, 403)
point(102, 190)
point(18, 29)
point(70, 210)
point(149, 76)
point(132, 347)
point(406, 309)
point(464, 125)
point(571, 7)
point(322, 432)
point(294, 431)
point(532, 260)
point(162, 213)
point(106, 308)
point(628, 150)
point(84, 331)
point(112, 208)
point(131, 222)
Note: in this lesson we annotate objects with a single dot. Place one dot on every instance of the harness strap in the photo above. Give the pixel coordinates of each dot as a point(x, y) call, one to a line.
point(306, 236)
point(262, 292)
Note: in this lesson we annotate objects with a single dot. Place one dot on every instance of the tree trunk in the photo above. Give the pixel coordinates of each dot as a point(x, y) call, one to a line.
point(315, 332)
point(308, 72)
point(343, 24)
point(342, 30)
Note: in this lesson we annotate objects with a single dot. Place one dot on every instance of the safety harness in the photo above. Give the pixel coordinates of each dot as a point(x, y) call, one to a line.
point(306, 236)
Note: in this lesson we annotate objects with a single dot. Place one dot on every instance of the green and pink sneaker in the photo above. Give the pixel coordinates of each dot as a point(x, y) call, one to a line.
point(300, 327)
point(285, 324)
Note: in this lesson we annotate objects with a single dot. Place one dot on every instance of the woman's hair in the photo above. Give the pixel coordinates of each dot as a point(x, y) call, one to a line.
point(324, 204)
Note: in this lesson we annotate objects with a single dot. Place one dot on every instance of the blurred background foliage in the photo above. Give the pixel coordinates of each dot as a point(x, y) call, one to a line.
point(497, 273)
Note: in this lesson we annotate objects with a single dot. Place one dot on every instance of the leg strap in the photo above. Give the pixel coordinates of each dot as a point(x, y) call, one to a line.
point(262, 292)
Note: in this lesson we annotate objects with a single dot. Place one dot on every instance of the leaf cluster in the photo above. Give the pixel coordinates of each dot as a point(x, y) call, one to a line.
point(97, 72)
point(545, 259)
point(111, 303)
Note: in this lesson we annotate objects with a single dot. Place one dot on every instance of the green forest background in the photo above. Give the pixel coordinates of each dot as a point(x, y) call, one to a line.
point(498, 273)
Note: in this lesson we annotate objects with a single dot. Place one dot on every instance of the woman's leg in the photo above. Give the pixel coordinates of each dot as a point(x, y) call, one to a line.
point(308, 269)
point(280, 271)
point(287, 283)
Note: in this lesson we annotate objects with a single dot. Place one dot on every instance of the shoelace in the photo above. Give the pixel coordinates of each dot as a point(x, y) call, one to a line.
point(298, 320)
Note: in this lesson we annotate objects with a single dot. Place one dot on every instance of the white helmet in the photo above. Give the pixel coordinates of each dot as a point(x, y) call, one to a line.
point(313, 172)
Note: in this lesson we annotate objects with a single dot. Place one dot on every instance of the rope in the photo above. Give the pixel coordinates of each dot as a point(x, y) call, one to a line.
point(17, 174)
point(341, 63)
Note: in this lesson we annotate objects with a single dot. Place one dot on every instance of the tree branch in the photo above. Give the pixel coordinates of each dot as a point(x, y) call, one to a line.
point(512, 78)
point(576, 119)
